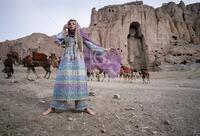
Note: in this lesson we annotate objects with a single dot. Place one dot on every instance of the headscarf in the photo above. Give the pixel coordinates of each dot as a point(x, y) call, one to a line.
point(74, 33)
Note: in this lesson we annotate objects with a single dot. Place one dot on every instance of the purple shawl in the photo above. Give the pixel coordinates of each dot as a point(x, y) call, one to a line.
point(108, 62)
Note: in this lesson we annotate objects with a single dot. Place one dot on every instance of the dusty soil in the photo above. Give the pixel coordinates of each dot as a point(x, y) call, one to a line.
point(168, 106)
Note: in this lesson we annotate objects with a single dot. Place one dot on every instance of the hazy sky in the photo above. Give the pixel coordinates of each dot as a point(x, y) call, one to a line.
point(19, 18)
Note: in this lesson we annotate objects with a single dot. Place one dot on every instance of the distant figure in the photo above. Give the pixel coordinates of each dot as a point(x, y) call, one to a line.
point(156, 63)
point(30, 66)
point(8, 63)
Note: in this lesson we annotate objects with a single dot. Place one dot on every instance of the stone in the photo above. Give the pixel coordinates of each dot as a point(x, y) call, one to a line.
point(103, 131)
point(70, 119)
point(116, 96)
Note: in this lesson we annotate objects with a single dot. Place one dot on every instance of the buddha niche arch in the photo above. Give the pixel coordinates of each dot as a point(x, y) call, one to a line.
point(137, 49)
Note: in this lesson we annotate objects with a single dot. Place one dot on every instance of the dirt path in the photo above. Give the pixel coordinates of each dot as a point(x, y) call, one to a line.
point(168, 106)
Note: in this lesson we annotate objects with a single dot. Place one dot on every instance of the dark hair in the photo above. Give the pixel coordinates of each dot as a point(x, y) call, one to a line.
point(72, 20)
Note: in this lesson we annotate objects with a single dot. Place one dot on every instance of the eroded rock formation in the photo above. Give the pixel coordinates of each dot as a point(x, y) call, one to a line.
point(164, 29)
point(35, 42)
point(138, 31)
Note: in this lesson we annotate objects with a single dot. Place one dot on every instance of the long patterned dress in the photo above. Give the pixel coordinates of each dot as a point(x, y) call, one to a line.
point(71, 77)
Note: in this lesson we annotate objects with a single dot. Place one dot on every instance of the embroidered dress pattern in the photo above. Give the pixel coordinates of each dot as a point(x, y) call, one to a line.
point(71, 80)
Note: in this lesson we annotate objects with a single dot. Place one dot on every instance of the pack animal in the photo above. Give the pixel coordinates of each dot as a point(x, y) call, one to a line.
point(90, 75)
point(127, 73)
point(38, 59)
point(145, 76)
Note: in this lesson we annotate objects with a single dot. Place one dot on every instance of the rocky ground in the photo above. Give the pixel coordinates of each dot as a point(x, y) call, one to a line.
point(168, 106)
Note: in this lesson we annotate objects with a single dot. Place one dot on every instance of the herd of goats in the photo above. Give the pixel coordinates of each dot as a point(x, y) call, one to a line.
point(42, 60)
point(126, 74)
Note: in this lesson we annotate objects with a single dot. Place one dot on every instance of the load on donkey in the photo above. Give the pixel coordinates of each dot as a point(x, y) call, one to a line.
point(37, 60)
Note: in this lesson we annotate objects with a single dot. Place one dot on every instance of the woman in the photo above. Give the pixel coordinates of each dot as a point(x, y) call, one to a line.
point(71, 78)
point(8, 63)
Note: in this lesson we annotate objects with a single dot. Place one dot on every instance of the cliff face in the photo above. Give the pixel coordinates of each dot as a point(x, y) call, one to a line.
point(35, 42)
point(164, 29)
point(144, 36)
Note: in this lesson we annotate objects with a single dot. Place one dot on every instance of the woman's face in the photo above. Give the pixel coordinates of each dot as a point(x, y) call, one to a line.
point(72, 25)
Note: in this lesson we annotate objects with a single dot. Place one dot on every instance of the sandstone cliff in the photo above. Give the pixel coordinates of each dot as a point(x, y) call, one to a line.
point(166, 29)
point(34, 42)
point(169, 34)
